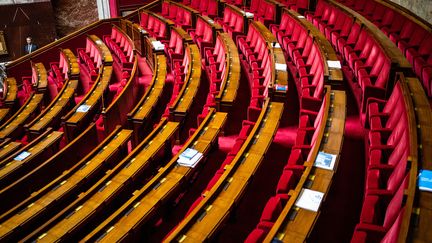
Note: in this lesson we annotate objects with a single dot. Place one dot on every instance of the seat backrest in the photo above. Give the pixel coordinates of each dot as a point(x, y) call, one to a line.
point(388, 17)
point(212, 9)
point(384, 73)
point(144, 19)
point(392, 234)
point(396, 177)
point(203, 5)
point(407, 29)
point(395, 205)
point(369, 7)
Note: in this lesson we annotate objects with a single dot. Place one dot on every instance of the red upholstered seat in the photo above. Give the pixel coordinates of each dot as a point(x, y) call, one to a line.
point(287, 182)
point(272, 210)
point(372, 233)
point(383, 209)
point(257, 235)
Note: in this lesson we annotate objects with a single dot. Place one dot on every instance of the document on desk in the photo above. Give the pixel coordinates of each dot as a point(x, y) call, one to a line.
point(325, 160)
point(190, 158)
point(425, 180)
point(309, 199)
point(83, 108)
point(22, 156)
point(334, 64)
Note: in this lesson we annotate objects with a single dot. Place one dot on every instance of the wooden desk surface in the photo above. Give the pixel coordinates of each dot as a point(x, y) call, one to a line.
point(73, 66)
point(21, 116)
point(205, 219)
point(3, 113)
point(12, 165)
point(149, 100)
point(69, 182)
point(42, 76)
point(187, 94)
point(97, 197)
point(8, 147)
point(422, 208)
point(159, 188)
point(12, 91)
point(104, 52)
point(92, 97)
point(230, 84)
point(55, 108)
point(279, 76)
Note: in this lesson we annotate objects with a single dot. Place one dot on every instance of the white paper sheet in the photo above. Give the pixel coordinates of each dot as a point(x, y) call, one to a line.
point(83, 108)
point(22, 156)
point(309, 199)
point(281, 67)
point(334, 64)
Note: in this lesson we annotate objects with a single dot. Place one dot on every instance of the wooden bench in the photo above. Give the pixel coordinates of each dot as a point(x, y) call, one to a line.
point(205, 219)
point(49, 169)
point(29, 157)
point(39, 77)
point(183, 103)
point(7, 147)
point(14, 127)
point(230, 84)
point(115, 186)
point(10, 96)
point(80, 116)
point(161, 188)
point(422, 211)
point(140, 116)
point(23, 218)
point(50, 116)
point(69, 64)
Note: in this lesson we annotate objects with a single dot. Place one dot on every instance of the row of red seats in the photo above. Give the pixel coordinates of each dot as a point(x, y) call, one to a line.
point(154, 26)
point(296, 5)
point(205, 7)
point(364, 55)
point(25, 92)
point(203, 34)
point(180, 70)
point(264, 11)
point(299, 47)
point(306, 139)
point(86, 60)
point(255, 51)
point(174, 48)
point(215, 67)
point(233, 21)
point(120, 45)
point(182, 17)
point(387, 169)
point(411, 38)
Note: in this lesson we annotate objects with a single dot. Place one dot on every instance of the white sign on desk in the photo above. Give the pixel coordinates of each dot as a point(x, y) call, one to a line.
point(190, 158)
point(83, 108)
point(334, 64)
point(157, 45)
point(325, 161)
point(309, 199)
point(281, 67)
point(22, 156)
